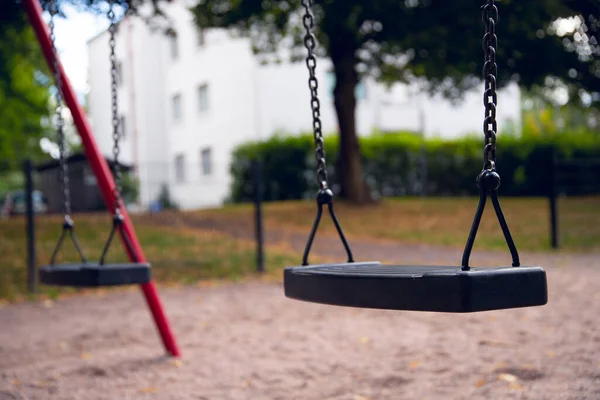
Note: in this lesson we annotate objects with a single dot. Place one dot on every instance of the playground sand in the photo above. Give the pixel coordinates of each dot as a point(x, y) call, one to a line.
point(247, 341)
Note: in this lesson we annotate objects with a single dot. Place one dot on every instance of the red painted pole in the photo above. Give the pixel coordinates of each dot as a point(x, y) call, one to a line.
point(102, 172)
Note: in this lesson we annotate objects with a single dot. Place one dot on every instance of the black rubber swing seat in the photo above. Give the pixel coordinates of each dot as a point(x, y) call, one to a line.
point(94, 274)
point(417, 288)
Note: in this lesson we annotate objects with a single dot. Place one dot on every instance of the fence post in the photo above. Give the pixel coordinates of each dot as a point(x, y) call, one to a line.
point(424, 168)
point(29, 226)
point(258, 220)
point(553, 204)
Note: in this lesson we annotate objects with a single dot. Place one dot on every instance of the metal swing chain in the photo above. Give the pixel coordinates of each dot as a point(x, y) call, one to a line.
point(68, 225)
point(325, 195)
point(308, 21)
point(116, 134)
point(64, 168)
point(489, 180)
point(490, 73)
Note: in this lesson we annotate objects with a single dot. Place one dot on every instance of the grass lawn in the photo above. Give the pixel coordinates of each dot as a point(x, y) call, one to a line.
point(187, 254)
point(178, 255)
point(441, 221)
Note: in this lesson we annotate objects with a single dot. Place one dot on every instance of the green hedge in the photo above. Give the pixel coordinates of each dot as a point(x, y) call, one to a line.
point(405, 164)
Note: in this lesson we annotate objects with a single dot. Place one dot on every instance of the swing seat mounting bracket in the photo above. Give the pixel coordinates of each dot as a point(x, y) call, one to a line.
point(488, 180)
point(324, 197)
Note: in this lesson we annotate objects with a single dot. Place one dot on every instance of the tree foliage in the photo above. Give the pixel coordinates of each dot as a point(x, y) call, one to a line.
point(436, 40)
point(24, 91)
point(403, 40)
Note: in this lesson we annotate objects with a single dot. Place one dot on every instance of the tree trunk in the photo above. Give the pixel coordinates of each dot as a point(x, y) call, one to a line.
point(349, 168)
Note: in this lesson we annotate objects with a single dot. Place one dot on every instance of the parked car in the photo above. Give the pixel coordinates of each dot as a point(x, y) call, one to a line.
point(14, 203)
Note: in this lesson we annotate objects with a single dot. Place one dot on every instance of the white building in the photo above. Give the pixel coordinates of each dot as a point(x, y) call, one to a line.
point(187, 102)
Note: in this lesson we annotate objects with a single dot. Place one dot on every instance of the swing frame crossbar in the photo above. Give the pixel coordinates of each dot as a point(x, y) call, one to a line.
point(104, 178)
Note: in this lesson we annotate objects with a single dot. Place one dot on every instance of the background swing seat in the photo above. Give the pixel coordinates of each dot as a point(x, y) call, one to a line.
point(94, 274)
point(417, 288)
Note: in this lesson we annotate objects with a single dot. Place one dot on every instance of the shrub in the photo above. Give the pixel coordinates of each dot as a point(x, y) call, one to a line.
point(403, 163)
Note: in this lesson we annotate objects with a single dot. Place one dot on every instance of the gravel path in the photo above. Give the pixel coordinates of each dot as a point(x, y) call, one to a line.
point(247, 341)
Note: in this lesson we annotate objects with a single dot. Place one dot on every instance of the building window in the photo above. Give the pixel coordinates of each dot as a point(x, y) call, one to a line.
point(174, 46)
point(203, 97)
point(180, 168)
point(177, 113)
point(206, 161)
point(201, 38)
point(122, 127)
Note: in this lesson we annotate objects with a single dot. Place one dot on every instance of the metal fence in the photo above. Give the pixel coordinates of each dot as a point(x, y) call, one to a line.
point(158, 230)
point(570, 179)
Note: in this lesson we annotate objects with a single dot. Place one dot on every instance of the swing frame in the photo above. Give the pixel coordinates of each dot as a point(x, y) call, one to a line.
point(102, 173)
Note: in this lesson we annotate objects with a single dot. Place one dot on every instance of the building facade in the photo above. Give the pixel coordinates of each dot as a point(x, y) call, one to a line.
point(187, 100)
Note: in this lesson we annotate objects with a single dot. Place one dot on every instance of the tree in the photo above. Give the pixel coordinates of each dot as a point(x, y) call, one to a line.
point(24, 91)
point(25, 88)
point(435, 42)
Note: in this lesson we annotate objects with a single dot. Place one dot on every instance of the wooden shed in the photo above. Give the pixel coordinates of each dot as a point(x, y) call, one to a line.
point(85, 194)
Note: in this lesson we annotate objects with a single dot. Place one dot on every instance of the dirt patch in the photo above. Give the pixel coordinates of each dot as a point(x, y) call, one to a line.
point(247, 341)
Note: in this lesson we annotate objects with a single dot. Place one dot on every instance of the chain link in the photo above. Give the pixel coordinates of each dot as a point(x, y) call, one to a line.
point(490, 73)
point(64, 168)
point(310, 42)
point(116, 134)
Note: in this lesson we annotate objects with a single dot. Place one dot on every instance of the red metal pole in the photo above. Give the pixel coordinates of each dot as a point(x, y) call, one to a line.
point(102, 172)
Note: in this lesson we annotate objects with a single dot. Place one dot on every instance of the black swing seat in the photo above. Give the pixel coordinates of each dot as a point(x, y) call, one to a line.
point(417, 288)
point(95, 275)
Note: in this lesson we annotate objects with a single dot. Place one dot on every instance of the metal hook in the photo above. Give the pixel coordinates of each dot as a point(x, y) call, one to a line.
point(325, 196)
point(474, 229)
point(489, 182)
point(108, 242)
point(504, 226)
point(117, 224)
point(68, 226)
point(58, 246)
